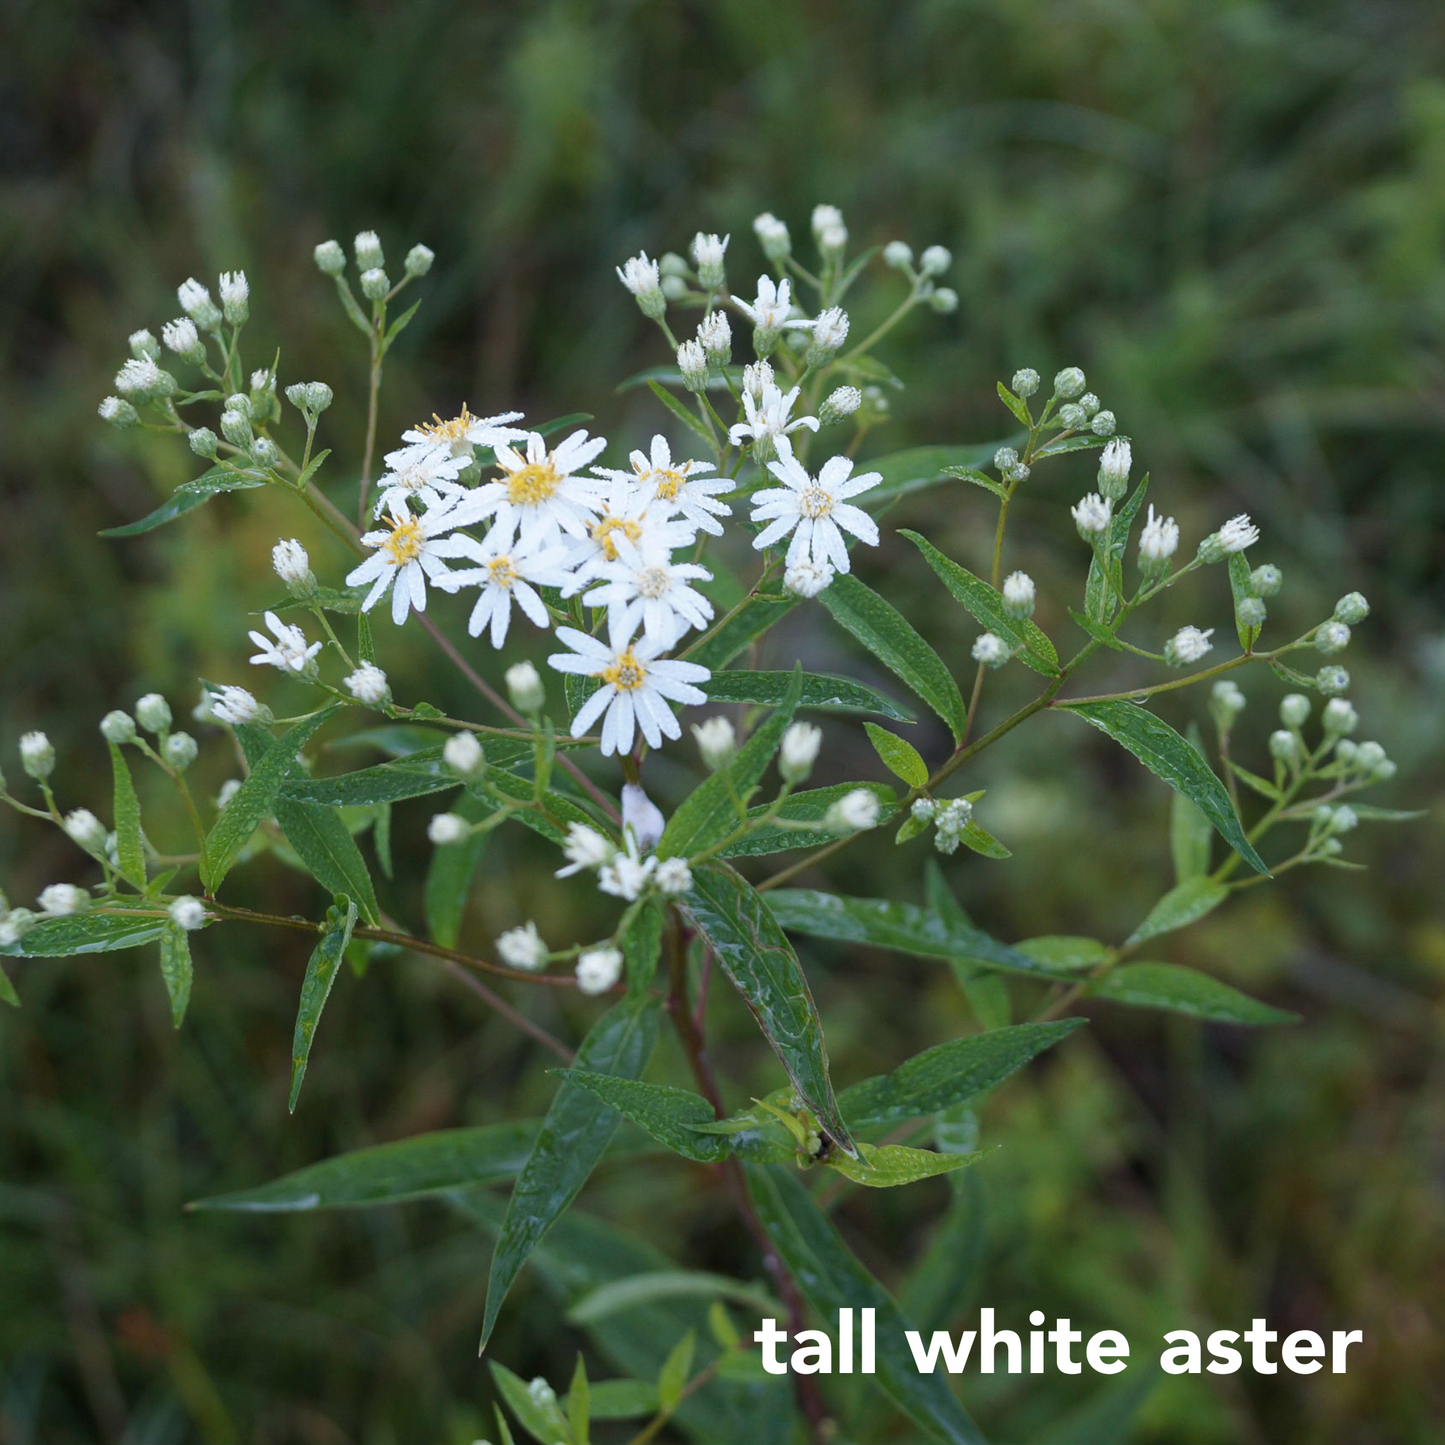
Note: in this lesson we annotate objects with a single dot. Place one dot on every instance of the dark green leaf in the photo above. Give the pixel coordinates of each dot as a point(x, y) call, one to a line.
point(1240, 588)
point(1101, 593)
point(1062, 445)
point(805, 807)
point(681, 412)
point(130, 850)
point(901, 758)
point(979, 479)
point(985, 604)
point(579, 1401)
point(832, 1279)
point(1108, 1416)
point(326, 847)
point(668, 1114)
point(398, 326)
point(1190, 834)
point(622, 1399)
point(414, 775)
point(936, 1288)
point(756, 955)
point(1262, 786)
point(255, 799)
point(1180, 906)
point(7, 990)
point(668, 1284)
point(91, 932)
point(187, 497)
point(449, 876)
point(550, 816)
point(949, 1074)
point(316, 987)
point(641, 944)
point(919, 468)
point(896, 643)
point(573, 1137)
point(1183, 990)
point(975, 836)
point(820, 690)
point(1016, 405)
point(540, 1416)
point(1169, 756)
point(717, 648)
point(176, 970)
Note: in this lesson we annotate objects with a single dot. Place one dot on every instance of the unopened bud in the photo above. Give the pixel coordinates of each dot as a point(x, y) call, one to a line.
point(1019, 594)
point(898, 255)
point(1332, 637)
point(1294, 710)
point(203, 441)
point(153, 713)
point(935, 260)
point(144, 346)
point(1025, 382)
point(1251, 611)
point(1069, 383)
point(840, 403)
point(330, 258)
point(419, 260)
point(799, 751)
point(1332, 681)
point(692, 362)
point(120, 414)
point(524, 686)
point(118, 727)
point(773, 236)
point(1266, 580)
point(463, 754)
point(447, 829)
point(717, 742)
point(1351, 609)
point(180, 750)
point(375, 283)
point(367, 250)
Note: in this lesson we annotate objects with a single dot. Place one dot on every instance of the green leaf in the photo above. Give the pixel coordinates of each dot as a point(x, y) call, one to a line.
point(896, 643)
point(255, 799)
point(985, 605)
point(949, 1074)
point(503, 789)
point(130, 850)
point(672, 1378)
point(415, 1168)
point(1180, 906)
point(176, 970)
point(312, 467)
point(975, 836)
point(987, 993)
point(621, 1294)
point(1366, 813)
point(579, 1401)
point(669, 1115)
point(756, 955)
point(316, 987)
point(1060, 446)
point(398, 326)
point(905, 927)
point(1016, 405)
point(936, 1289)
point(708, 814)
point(979, 479)
point(1108, 1416)
point(1065, 951)
point(1169, 756)
point(90, 932)
point(449, 876)
point(1101, 594)
point(1186, 991)
point(899, 757)
point(641, 943)
point(1240, 588)
point(622, 1399)
point(1190, 835)
point(920, 468)
point(541, 1418)
point(1262, 786)
point(717, 648)
point(414, 775)
point(820, 690)
point(832, 1279)
point(888, 1165)
point(806, 807)
point(687, 418)
point(573, 1137)
point(672, 376)
point(7, 990)
point(187, 497)
point(326, 847)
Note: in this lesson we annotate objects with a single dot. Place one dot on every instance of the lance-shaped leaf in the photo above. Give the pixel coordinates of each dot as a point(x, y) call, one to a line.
point(550, 815)
point(316, 986)
point(573, 1137)
point(949, 1074)
point(1102, 589)
point(1241, 589)
point(1186, 991)
point(187, 497)
point(255, 799)
point(897, 644)
point(820, 690)
point(415, 1168)
point(539, 1415)
point(1181, 906)
point(90, 932)
point(639, 1289)
point(1168, 756)
point(7, 990)
point(449, 876)
point(832, 1279)
point(325, 845)
point(738, 630)
point(641, 942)
point(919, 468)
point(886, 1166)
point(129, 849)
point(985, 604)
point(899, 756)
point(1190, 834)
point(902, 926)
point(709, 813)
point(755, 954)
point(176, 970)
point(806, 807)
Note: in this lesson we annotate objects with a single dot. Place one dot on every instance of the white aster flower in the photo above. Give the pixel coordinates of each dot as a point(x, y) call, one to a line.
point(506, 574)
point(539, 491)
point(598, 969)
point(1188, 645)
point(523, 947)
point(62, 898)
point(682, 488)
point(368, 684)
point(758, 376)
point(830, 329)
point(412, 550)
point(290, 562)
point(771, 308)
point(1238, 533)
point(1091, 514)
point(807, 579)
point(1159, 538)
point(708, 249)
point(673, 877)
point(234, 705)
point(234, 287)
point(181, 335)
point(635, 686)
point(766, 417)
point(424, 472)
point(584, 848)
point(464, 431)
point(645, 585)
point(625, 875)
point(814, 509)
point(715, 336)
point(640, 275)
point(623, 513)
point(140, 376)
point(290, 651)
point(187, 913)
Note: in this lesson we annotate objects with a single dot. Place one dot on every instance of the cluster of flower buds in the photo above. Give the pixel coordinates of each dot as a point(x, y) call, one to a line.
point(949, 818)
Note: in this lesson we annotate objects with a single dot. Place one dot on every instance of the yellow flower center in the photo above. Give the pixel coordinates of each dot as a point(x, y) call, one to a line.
point(532, 484)
point(653, 582)
point(602, 534)
point(668, 483)
point(406, 541)
point(624, 672)
point(815, 502)
point(502, 572)
point(454, 430)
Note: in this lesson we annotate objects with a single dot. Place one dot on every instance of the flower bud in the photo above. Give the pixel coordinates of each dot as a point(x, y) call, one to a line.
point(1188, 646)
point(1266, 580)
point(1351, 609)
point(1226, 702)
point(1019, 594)
point(419, 260)
point(1090, 403)
point(923, 810)
point(773, 236)
point(188, 914)
point(235, 297)
point(179, 750)
point(15, 924)
point(235, 706)
point(1339, 717)
point(674, 288)
point(85, 829)
point(990, 649)
point(898, 255)
point(265, 452)
point(1332, 681)
point(1294, 710)
point(692, 362)
point(524, 686)
point(1025, 382)
point(1104, 424)
point(368, 685)
point(852, 813)
point(196, 302)
point(673, 877)
point(1114, 464)
point(1346, 751)
point(839, 404)
point(715, 336)
point(934, 261)
point(1005, 458)
point(330, 258)
point(1237, 534)
point(182, 337)
point(642, 277)
point(808, 579)
point(717, 742)
point(118, 727)
point(523, 947)
point(144, 346)
point(671, 264)
point(236, 427)
point(1332, 637)
point(367, 250)
point(944, 300)
point(463, 754)
point(1091, 515)
point(448, 829)
point(708, 251)
point(1250, 611)
point(375, 283)
point(830, 331)
point(1283, 746)
point(203, 442)
point(1369, 756)
point(120, 414)
point(293, 567)
point(62, 898)
point(1071, 416)
point(642, 816)
point(1069, 383)
point(799, 751)
point(598, 969)
point(153, 713)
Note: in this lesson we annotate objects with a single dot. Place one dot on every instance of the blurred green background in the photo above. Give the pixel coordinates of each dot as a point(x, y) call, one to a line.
point(1231, 214)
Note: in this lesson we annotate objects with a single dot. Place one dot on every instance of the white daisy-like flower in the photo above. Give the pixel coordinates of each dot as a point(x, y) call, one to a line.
point(814, 509)
point(290, 651)
point(424, 472)
point(680, 487)
point(645, 585)
point(411, 550)
point(506, 574)
point(635, 686)
point(625, 875)
point(772, 306)
point(1188, 645)
point(539, 491)
point(766, 416)
point(1091, 514)
point(1238, 533)
point(464, 431)
point(624, 513)
point(1159, 538)
point(673, 877)
point(585, 848)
